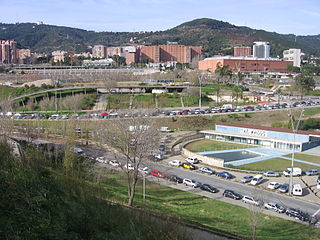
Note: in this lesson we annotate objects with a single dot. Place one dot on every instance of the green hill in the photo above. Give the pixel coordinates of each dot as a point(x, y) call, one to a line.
point(215, 36)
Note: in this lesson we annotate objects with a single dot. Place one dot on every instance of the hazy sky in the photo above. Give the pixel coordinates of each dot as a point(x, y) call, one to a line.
point(300, 17)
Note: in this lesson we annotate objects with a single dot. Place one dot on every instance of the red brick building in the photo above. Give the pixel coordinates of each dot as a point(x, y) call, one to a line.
point(242, 52)
point(171, 53)
point(246, 64)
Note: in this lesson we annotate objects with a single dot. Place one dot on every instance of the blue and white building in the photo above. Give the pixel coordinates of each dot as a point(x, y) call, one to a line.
point(273, 138)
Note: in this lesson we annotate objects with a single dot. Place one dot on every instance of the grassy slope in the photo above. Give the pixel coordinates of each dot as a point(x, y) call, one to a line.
point(211, 145)
point(305, 157)
point(274, 164)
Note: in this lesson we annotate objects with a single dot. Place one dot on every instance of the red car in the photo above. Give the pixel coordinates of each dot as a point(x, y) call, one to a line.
point(157, 173)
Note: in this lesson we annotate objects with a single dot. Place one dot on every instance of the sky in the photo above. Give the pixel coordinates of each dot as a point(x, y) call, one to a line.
point(300, 17)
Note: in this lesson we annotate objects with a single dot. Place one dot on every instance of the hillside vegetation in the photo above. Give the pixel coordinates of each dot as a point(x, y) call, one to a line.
point(37, 201)
point(215, 37)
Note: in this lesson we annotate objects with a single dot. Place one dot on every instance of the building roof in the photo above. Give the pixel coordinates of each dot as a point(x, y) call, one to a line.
point(242, 58)
point(270, 129)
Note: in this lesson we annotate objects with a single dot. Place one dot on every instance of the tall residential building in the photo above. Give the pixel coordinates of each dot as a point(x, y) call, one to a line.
point(293, 55)
point(242, 51)
point(8, 51)
point(99, 51)
point(261, 50)
point(171, 53)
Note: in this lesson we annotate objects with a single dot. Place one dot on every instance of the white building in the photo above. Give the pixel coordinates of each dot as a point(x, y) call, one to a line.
point(293, 55)
point(261, 50)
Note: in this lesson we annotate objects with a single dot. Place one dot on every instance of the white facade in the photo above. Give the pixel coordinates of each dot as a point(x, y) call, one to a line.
point(261, 50)
point(293, 55)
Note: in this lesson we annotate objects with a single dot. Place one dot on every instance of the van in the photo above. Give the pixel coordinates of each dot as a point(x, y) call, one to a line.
point(295, 173)
point(297, 190)
point(256, 180)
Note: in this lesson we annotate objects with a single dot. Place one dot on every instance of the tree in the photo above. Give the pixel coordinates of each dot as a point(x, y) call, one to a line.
point(237, 92)
point(135, 140)
point(223, 72)
point(119, 61)
point(304, 83)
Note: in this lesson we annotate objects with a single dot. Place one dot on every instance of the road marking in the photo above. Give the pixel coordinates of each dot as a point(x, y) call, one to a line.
point(316, 213)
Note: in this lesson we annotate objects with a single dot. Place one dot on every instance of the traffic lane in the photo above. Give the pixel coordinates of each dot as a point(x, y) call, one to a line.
point(222, 184)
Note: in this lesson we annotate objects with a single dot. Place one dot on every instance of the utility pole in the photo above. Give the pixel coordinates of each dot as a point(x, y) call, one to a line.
point(144, 189)
point(200, 91)
point(294, 129)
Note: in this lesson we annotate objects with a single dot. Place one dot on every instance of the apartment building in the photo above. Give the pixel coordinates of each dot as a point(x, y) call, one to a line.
point(171, 53)
point(99, 51)
point(293, 55)
point(261, 49)
point(8, 51)
point(241, 51)
point(59, 56)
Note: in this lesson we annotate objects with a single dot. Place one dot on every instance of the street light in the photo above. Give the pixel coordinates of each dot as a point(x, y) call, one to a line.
point(294, 129)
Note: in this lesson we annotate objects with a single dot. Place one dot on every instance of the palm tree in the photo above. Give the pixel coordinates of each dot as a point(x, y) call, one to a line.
point(237, 93)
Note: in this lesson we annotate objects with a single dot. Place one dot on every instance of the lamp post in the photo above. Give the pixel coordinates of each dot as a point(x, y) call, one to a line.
point(294, 129)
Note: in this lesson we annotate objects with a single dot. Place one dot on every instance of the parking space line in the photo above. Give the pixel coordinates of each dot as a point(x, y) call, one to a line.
point(316, 213)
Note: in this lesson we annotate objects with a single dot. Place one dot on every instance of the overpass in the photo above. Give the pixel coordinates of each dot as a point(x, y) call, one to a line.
point(125, 89)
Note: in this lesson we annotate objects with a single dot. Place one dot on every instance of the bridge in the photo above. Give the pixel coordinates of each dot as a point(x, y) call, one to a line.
point(125, 89)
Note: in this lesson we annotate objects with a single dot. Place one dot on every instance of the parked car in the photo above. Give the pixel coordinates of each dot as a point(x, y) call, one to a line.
point(129, 166)
point(232, 194)
point(271, 174)
point(144, 170)
point(256, 180)
point(284, 188)
point(209, 188)
point(157, 157)
point(190, 182)
point(114, 163)
point(157, 173)
point(192, 160)
point(175, 163)
point(274, 185)
point(188, 166)
point(297, 190)
point(175, 178)
point(312, 172)
point(318, 179)
point(251, 200)
point(291, 212)
point(246, 179)
point(206, 170)
point(275, 207)
point(225, 175)
point(100, 159)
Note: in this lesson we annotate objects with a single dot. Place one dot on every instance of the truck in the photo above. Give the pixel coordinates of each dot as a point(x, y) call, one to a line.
point(226, 106)
point(295, 173)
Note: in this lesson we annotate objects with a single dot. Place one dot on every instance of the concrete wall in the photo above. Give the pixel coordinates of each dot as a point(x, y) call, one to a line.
point(217, 162)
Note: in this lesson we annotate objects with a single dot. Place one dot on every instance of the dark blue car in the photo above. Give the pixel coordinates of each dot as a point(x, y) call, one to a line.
point(225, 175)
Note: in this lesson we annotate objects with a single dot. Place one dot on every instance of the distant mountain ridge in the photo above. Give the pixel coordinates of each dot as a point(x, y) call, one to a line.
point(216, 37)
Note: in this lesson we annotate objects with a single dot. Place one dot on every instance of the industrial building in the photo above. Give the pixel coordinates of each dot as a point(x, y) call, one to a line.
point(268, 137)
point(246, 64)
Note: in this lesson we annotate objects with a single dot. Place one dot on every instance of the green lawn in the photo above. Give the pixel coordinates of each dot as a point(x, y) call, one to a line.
point(305, 157)
point(211, 145)
point(311, 111)
point(208, 212)
point(274, 164)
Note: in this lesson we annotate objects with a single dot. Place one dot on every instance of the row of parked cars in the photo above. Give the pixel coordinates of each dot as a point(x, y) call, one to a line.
point(190, 164)
point(296, 213)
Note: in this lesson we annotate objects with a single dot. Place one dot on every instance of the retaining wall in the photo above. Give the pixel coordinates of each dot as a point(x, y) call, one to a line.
point(217, 162)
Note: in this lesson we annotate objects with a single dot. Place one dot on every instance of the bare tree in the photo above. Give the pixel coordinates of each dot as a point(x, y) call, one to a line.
point(135, 139)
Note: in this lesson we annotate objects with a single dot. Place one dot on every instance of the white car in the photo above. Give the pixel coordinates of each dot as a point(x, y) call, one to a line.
point(192, 160)
point(175, 163)
point(274, 185)
point(100, 159)
point(114, 163)
point(251, 200)
point(145, 170)
point(129, 166)
point(190, 182)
